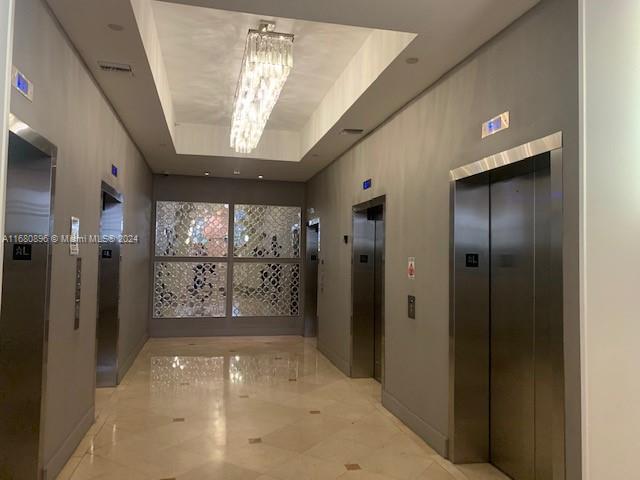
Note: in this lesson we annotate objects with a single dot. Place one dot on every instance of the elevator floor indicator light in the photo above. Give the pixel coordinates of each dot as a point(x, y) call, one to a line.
point(366, 185)
point(22, 83)
point(495, 125)
point(114, 170)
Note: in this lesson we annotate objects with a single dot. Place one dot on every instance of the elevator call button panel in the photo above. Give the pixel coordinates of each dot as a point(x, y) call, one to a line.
point(411, 303)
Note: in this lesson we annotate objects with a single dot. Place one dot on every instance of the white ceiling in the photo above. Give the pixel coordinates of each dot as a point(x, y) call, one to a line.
point(203, 49)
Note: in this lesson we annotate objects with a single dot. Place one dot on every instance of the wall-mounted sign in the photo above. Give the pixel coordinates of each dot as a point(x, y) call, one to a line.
point(472, 260)
point(22, 84)
point(366, 185)
point(74, 248)
point(411, 268)
point(22, 251)
point(495, 125)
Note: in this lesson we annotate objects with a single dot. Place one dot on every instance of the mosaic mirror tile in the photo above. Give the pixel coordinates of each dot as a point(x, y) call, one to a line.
point(266, 231)
point(266, 289)
point(191, 229)
point(189, 289)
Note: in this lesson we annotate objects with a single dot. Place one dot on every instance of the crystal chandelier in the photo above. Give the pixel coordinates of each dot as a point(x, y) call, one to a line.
point(268, 59)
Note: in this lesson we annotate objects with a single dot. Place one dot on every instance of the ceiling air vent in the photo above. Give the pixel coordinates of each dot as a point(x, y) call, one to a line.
point(352, 131)
point(115, 67)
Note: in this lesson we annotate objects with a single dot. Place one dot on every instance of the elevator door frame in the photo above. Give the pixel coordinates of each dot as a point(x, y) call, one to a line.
point(311, 279)
point(359, 209)
point(28, 134)
point(469, 422)
point(117, 196)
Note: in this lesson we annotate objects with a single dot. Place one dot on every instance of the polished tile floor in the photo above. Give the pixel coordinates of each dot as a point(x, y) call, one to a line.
point(250, 408)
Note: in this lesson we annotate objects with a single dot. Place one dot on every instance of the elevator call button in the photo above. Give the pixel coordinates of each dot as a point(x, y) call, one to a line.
point(472, 260)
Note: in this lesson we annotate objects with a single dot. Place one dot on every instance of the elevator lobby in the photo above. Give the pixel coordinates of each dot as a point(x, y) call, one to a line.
point(301, 240)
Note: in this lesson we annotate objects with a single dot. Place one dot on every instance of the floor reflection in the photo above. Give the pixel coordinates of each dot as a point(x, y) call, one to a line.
point(250, 408)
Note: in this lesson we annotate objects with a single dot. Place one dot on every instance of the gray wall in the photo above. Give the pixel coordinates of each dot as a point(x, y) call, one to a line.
point(220, 190)
point(71, 112)
point(529, 69)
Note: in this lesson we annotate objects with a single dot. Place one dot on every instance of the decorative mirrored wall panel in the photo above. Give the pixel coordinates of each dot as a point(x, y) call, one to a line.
point(266, 289)
point(190, 229)
point(266, 231)
point(189, 289)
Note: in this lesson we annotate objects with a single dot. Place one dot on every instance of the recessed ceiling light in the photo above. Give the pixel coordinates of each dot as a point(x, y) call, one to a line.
point(412, 60)
point(236, 172)
point(206, 174)
point(115, 27)
point(260, 177)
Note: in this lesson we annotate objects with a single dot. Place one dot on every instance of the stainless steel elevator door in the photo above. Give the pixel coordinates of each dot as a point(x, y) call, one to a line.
point(24, 310)
point(362, 355)
point(367, 355)
point(377, 215)
point(107, 328)
point(311, 282)
point(520, 416)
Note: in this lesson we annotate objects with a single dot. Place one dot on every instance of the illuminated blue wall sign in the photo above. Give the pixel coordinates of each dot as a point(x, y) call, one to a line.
point(22, 84)
point(114, 170)
point(495, 125)
point(366, 185)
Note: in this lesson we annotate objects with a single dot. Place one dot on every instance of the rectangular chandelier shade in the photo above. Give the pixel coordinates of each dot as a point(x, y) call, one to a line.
point(268, 59)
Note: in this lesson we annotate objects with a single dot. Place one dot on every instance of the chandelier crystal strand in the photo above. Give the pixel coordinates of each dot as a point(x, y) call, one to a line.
point(268, 59)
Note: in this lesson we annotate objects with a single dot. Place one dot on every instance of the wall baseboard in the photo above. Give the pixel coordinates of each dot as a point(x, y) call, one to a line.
point(340, 363)
point(60, 458)
point(124, 367)
point(433, 437)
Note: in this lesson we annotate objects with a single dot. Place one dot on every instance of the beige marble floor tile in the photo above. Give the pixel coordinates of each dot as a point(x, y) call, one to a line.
point(339, 450)
point(92, 467)
point(306, 433)
point(259, 457)
point(219, 470)
point(401, 466)
point(305, 467)
point(232, 390)
point(481, 471)
point(364, 475)
point(435, 472)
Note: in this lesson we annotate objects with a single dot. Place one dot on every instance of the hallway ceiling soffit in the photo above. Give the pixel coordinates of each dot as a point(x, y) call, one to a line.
point(181, 125)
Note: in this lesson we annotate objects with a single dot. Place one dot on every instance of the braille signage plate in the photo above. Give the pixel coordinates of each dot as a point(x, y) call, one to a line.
point(472, 260)
point(22, 251)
